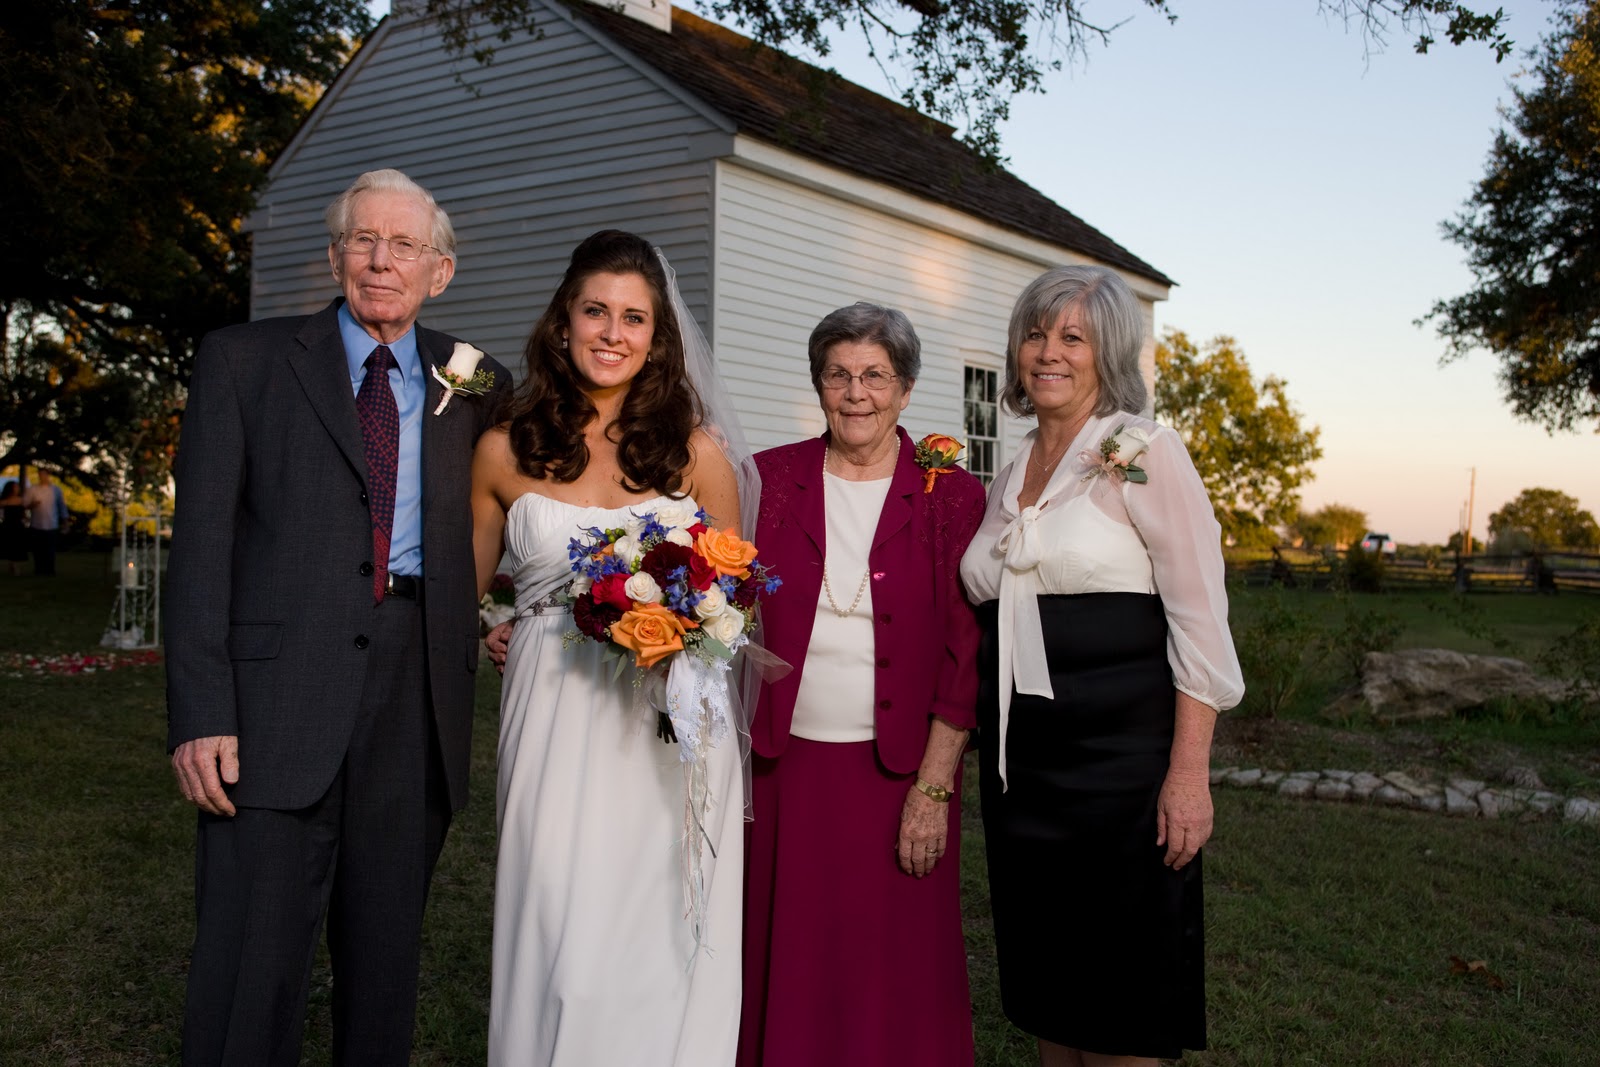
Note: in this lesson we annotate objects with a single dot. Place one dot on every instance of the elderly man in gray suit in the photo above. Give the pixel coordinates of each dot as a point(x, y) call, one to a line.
point(322, 638)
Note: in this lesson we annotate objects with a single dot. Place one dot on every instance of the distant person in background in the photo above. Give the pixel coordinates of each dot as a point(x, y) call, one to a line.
point(47, 517)
point(13, 525)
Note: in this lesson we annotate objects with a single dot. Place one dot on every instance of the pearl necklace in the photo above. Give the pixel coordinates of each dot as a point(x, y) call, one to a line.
point(861, 590)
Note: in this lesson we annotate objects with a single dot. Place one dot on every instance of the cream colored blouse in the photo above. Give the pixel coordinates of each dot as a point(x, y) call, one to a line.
point(1091, 533)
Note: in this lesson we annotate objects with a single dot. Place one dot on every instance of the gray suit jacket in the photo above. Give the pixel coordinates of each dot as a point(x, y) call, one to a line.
point(266, 602)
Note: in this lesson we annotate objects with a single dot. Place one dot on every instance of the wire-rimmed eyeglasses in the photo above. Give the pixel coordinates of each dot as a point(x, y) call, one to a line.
point(365, 242)
point(838, 379)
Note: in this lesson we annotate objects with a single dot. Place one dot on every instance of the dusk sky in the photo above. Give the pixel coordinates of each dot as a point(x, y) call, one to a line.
point(1293, 182)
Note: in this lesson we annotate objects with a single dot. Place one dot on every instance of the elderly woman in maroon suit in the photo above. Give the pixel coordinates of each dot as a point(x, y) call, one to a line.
point(853, 944)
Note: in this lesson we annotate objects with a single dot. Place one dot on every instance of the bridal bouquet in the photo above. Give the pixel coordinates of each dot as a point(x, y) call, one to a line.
point(665, 590)
point(664, 584)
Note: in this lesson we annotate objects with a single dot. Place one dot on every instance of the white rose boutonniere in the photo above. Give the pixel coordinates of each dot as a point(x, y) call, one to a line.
point(1116, 454)
point(461, 375)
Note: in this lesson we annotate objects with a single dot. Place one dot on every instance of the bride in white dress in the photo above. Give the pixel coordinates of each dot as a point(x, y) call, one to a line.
point(596, 957)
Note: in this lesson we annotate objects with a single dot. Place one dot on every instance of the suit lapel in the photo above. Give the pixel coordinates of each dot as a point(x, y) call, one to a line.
point(903, 490)
point(808, 504)
point(320, 365)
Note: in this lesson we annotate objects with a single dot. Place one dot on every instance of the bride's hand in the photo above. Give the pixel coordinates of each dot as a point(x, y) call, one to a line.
point(498, 642)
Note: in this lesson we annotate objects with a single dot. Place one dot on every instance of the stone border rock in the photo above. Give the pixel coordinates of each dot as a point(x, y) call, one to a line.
point(1461, 797)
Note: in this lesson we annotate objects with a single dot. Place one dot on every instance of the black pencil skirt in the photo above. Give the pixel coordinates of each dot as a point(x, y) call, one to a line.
point(1101, 946)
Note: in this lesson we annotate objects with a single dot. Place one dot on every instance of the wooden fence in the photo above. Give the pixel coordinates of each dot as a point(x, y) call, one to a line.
point(1548, 572)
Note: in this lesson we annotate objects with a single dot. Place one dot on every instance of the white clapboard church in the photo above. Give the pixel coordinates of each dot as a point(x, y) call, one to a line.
point(779, 193)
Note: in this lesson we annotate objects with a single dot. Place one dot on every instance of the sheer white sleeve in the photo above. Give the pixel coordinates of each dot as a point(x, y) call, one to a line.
point(1174, 517)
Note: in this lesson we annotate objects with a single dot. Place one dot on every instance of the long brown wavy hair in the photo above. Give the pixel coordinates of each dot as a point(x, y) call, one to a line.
point(661, 409)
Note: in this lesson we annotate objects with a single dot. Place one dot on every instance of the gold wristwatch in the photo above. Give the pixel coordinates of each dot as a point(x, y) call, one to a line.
point(936, 793)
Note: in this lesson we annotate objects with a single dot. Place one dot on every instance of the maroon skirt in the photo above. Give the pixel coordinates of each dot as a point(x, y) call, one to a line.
point(847, 959)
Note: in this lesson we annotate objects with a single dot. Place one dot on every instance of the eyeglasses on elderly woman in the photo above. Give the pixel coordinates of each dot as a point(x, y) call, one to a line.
point(839, 379)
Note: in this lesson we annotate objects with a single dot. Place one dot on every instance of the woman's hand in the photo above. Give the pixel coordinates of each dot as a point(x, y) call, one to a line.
point(923, 822)
point(497, 642)
point(1183, 816)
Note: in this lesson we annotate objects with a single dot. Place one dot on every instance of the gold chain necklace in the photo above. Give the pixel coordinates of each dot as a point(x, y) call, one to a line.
point(861, 590)
point(1045, 468)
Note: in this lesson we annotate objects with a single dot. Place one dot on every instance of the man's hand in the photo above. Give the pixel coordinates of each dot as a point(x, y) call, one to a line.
point(197, 763)
point(497, 642)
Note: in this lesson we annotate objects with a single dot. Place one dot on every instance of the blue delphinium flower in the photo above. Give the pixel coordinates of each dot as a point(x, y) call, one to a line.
point(679, 596)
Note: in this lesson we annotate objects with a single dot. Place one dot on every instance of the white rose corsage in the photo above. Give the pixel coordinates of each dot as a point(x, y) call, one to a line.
point(1116, 455)
point(461, 375)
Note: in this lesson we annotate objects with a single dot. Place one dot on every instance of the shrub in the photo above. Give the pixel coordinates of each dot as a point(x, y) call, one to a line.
point(1275, 650)
point(1363, 570)
point(1362, 630)
point(1576, 658)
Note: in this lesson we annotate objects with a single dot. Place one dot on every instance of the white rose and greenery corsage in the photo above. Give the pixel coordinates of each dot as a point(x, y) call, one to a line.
point(1116, 455)
point(461, 375)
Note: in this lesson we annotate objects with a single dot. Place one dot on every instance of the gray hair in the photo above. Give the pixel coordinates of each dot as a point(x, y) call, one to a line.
point(338, 214)
point(1112, 319)
point(868, 324)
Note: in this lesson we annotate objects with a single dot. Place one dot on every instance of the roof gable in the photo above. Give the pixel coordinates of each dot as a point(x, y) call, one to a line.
point(815, 113)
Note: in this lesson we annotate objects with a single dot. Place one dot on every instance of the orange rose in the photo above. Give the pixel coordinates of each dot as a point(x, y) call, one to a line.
point(651, 632)
point(945, 446)
point(726, 552)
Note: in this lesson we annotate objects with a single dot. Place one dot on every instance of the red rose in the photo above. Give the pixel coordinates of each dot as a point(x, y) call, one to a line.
point(701, 572)
point(610, 590)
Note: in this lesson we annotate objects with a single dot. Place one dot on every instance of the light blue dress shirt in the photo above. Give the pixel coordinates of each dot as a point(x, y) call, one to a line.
point(410, 387)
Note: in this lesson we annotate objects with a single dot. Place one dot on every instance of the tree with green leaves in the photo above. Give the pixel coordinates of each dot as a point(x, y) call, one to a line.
point(1531, 231)
point(1331, 525)
point(1543, 519)
point(963, 61)
point(1244, 436)
point(133, 141)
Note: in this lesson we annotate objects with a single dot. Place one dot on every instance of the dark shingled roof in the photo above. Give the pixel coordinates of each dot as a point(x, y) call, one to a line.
point(779, 99)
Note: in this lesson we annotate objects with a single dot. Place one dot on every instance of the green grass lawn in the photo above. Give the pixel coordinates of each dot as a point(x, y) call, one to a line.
point(1330, 928)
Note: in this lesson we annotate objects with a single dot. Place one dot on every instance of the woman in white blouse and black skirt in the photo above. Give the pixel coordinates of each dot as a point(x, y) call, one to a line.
point(1106, 657)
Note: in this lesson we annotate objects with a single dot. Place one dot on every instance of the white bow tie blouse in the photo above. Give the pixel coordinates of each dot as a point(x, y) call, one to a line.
point(1100, 535)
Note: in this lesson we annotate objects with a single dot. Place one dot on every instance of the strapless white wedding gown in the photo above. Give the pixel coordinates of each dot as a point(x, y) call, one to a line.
point(594, 956)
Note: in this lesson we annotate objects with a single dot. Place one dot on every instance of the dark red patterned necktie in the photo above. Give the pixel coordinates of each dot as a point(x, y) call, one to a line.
point(380, 430)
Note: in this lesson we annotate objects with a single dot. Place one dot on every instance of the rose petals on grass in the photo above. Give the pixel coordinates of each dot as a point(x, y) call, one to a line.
point(18, 664)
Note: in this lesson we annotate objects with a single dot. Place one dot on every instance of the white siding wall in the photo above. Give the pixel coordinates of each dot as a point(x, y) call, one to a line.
point(563, 138)
point(788, 253)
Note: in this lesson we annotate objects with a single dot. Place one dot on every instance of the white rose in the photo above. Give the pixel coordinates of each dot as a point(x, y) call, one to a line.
point(626, 548)
point(678, 536)
point(581, 585)
point(463, 360)
point(642, 588)
point(674, 513)
point(633, 527)
point(725, 627)
point(713, 602)
point(1131, 444)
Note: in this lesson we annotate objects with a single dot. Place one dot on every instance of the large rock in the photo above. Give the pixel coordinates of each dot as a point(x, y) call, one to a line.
point(1432, 683)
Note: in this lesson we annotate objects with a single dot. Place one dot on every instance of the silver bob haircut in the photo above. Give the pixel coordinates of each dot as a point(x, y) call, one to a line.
point(1114, 323)
point(869, 324)
point(337, 216)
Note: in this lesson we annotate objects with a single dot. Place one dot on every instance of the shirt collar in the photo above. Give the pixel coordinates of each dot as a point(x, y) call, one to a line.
point(358, 345)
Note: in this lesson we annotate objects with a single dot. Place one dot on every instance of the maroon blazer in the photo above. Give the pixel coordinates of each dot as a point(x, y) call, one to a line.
point(925, 632)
